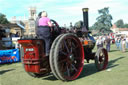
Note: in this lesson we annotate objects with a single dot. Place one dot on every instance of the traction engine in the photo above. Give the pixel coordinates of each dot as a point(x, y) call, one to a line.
point(67, 53)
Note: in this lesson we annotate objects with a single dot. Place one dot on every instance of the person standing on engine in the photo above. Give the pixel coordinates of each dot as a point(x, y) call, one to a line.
point(44, 31)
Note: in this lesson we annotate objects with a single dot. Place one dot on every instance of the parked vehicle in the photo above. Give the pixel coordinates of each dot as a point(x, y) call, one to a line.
point(67, 53)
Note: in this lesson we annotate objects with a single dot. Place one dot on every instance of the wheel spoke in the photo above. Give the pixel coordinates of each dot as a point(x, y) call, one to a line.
point(101, 65)
point(63, 60)
point(76, 47)
point(74, 68)
point(66, 46)
point(70, 45)
point(68, 70)
point(62, 67)
point(73, 45)
point(71, 50)
point(64, 53)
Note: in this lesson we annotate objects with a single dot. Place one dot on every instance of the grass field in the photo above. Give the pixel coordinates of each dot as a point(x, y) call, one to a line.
point(115, 74)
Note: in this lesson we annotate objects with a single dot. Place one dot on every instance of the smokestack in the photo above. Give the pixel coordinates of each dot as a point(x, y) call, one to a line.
point(85, 17)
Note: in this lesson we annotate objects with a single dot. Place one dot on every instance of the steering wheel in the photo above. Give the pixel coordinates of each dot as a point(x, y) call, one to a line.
point(55, 25)
point(56, 29)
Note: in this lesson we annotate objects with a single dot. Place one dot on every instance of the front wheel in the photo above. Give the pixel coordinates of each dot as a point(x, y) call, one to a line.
point(101, 59)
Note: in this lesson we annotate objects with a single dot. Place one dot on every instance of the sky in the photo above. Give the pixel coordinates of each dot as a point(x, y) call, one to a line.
point(66, 11)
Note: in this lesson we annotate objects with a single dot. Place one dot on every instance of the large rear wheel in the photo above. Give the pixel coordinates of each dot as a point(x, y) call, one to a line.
point(67, 57)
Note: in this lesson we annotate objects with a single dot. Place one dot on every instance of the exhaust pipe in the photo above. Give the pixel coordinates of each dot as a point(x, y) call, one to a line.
point(85, 18)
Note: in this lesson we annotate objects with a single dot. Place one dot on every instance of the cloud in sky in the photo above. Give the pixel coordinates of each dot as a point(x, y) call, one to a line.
point(66, 11)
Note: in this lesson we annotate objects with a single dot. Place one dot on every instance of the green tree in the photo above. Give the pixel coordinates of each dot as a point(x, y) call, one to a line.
point(103, 23)
point(119, 23)
point(125, 25)
point(3, 19)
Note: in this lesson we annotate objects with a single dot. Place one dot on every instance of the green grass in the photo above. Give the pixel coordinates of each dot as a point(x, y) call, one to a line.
point(14, 74)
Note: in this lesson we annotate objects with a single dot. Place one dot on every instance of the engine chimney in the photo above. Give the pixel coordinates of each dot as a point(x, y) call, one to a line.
point(85, 17)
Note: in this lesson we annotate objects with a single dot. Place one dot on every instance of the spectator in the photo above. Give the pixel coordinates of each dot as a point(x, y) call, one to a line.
point(11, 35)
point(123, 44)
point(120, 43)
point(117, 43)
point(99, 42)
point(108, 43)
point(127, 42)
point(17, 34)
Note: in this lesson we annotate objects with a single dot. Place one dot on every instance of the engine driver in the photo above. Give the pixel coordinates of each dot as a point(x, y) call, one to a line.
point(44, 31)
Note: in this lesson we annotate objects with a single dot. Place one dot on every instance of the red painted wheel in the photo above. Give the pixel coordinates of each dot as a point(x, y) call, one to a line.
point(68, 57)
point(101, 59)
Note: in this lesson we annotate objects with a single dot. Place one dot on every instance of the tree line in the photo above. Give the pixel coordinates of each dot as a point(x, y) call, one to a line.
point(104, 21)
point(121, 24)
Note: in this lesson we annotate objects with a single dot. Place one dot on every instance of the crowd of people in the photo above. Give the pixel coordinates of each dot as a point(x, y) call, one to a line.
point(121, 42)
point(103, 40)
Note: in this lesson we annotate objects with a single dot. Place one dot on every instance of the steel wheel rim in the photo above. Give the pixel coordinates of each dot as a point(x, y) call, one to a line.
point(70, 58)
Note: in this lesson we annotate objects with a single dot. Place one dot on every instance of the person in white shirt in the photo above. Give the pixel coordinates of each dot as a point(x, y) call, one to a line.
point(99, 42)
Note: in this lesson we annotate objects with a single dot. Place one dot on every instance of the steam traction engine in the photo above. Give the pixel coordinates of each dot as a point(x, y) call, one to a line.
point(67, 53)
